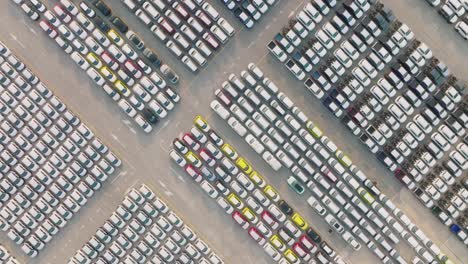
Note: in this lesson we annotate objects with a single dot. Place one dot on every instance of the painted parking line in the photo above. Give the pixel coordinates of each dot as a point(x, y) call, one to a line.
point(15, 38)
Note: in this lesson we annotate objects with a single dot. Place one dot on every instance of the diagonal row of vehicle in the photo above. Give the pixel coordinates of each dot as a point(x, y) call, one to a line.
point(454, 12)
point(347, 200)
point(6, 257)
point(244, 194)
point(143, 229)
point(51, 163)
point(112, 62)
point(410, 93)
point(193, 30)
point(249, 11)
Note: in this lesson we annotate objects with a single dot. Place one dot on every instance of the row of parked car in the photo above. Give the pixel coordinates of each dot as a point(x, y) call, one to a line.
point(249, 11)
point(6, 257)
point(454, 12)
point(193, 30)
point(379, 117)
point(112, 61)
point(341, 193)
point(50, 162)
point(143, 229)
point(244, 194)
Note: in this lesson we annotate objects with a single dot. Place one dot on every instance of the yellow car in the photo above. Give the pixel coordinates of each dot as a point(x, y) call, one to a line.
point(244, 165)
point(291, 256)
point(108, 74)
point(257, 179)
point(250, 215)
point(299, 221)
point(271, 192)
point(193, 159)
point(94, 60)
point(366, 195)
point(229, 151)
point(314, 130)
point(115, 37)
point(235, 201)
point(201, 123)
point(343, 158)
point(277, 243)
point(121, 88)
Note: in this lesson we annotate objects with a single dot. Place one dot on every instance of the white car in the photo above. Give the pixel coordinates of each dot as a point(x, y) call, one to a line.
point(316, 206)
point(237, 126)
point(127, 108)
point(271, 160)
point(277, 51)
point(189, 63)
point(219, 33)
point(462, 28)
point(143, 123)
point(254, 143)
point(227, 28)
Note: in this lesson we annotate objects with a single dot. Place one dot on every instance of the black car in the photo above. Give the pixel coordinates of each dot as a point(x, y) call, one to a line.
point(436, 210)
point(103, 26)
point(169, 73)
point(149, 115)
point(137, 41)
point(285, 208)
point(381, 22)
point(105, 10)
point(119, 24)
point(313, 235)
point(388, 14)
point(152, 57)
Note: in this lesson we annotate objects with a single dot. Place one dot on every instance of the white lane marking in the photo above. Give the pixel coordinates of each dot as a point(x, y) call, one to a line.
point(178, 175)
point(168, 193)
point(115, 137)
point(15, 38)
point(166, 123)
point(32, 30)
point(116, 177)
point(162, 184)
point(133, 130)
point(162, 144)
point(291, 14)
point(251, 44)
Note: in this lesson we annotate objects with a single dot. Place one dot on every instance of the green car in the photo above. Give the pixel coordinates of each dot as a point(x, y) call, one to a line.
point(295, 185)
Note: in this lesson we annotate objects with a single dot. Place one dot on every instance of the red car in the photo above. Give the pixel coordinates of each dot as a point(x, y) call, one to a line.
point(211, 40)
point(269, 219)
point(329, 174)
point(240, 219)
point(207, 157)
point(194, 173)
point(301, 251)
point(192, 142)
point(257, 236)
point(308, 244)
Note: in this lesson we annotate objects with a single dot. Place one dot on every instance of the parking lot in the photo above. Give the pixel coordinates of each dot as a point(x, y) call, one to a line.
point(146, 159)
